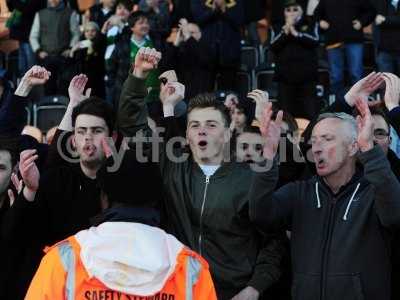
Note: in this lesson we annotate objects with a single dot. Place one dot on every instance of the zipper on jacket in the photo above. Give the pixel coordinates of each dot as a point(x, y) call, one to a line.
point(327, 245)
point(202, 211)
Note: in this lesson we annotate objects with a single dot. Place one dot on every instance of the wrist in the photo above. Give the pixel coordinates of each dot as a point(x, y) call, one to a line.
point(29, 193)
point(139, 73)
point(347, 99)
point(24, 88)
point(168, 110)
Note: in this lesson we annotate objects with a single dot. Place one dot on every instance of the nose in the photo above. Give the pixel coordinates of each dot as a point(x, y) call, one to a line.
point(202, 131)
point(316, 148)
point(88, 135)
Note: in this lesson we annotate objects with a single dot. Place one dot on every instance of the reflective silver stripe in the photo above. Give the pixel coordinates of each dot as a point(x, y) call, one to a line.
point(67, 256)
point(193, 268)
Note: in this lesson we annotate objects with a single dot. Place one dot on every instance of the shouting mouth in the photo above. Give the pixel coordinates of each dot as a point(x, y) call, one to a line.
point(89, 150)
point(203, 145)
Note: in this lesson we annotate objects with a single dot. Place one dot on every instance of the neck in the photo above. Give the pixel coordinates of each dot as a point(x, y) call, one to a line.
point(210, 161)
point(90, 170)
point(341, 177)
point(137, 38)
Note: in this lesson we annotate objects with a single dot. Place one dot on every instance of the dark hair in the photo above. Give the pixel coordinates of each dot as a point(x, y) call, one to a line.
point(97, 107)
point(128, 4)
point(379, 111)
point(136, 16)
point(247, 109)
point(11, 145)
point(252, 129)
point(209, 100)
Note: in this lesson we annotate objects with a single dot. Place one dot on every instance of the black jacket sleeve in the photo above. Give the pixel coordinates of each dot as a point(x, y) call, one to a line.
point(387, 188)
point(310, 38)
point(394, 119)
point(270, 210)
point(12, 113)
point(268, 270)
point(279, 40)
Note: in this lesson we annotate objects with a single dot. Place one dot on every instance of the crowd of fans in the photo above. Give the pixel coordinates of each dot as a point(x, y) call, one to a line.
point(155, 186)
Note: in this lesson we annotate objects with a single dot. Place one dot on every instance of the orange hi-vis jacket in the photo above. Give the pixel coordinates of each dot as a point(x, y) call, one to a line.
point(61, 275)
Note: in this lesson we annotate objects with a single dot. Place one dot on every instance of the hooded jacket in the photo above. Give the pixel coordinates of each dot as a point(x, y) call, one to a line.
point(340, 242)
point(208, 214)
point(119, 260)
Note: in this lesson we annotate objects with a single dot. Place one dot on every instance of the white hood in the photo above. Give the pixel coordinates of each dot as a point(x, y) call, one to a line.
point(131, 258)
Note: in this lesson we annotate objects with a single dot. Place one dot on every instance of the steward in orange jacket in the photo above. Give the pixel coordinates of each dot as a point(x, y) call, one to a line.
point(121, 261)
point(125, 257)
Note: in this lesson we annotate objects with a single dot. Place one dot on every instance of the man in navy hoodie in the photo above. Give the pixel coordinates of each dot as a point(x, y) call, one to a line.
point(341, 220)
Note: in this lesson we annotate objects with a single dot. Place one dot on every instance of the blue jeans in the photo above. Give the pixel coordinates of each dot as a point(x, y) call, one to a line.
point(351, 53)
point(388, 62)
point(26, 58)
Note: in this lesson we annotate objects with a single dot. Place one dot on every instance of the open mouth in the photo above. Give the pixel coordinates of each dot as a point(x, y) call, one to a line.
point(321, 163)
point(89, 150)
point(203, 144)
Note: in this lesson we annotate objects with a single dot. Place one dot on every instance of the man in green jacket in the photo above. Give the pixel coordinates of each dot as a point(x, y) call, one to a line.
point(206, 198)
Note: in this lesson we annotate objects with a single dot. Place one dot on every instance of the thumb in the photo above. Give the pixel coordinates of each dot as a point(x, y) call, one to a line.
point(11, 196)
point(88, 92)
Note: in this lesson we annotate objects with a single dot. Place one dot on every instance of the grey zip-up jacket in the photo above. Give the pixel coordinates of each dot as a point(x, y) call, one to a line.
point(340, 243)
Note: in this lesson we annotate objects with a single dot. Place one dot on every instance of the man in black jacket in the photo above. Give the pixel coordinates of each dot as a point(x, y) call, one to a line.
point(204, 211)
point(295, 46)
point(343, 22)
point(341, 220)
point(388, 45)
point(68, 195)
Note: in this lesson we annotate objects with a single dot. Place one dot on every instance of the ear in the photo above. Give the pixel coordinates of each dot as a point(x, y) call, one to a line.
point(73, 142)
point(353, 149)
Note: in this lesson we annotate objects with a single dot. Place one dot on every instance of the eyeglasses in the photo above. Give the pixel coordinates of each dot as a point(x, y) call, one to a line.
point(381, 134)
point(291, 9)
point(164, 80)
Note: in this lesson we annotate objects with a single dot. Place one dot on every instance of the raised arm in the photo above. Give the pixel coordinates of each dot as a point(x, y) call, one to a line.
point(132, 111)
point(268, 209)
point(65, 128)
point(392, 98)
point(377, 170)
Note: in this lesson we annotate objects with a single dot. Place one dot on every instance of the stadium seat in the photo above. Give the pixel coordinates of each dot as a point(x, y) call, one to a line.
point(49, 111)
point(265, 81)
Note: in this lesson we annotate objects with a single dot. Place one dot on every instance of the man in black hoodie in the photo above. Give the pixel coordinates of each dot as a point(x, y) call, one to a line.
point(341, 220)
point(343, 22)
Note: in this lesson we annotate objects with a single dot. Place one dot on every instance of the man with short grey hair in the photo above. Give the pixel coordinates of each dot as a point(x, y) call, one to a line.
point(341, 220)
